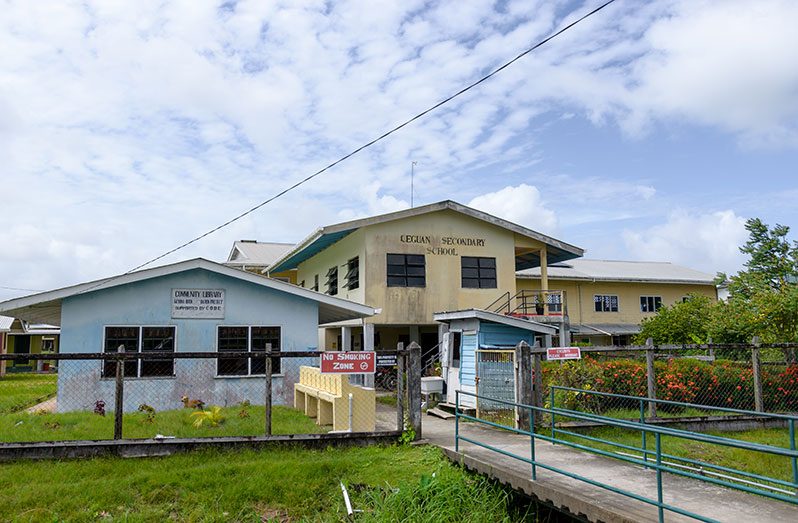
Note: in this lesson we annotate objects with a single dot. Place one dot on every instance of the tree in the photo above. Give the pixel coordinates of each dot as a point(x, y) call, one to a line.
point(682, 322)
point(772, 263)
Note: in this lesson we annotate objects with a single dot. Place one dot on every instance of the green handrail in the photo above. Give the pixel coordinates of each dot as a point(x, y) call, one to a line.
point(658, 465)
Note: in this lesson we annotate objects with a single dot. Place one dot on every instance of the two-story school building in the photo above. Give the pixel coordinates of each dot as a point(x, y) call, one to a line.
point(414, 263)
point(192, 306)
point(607, 299)
point(447, 257)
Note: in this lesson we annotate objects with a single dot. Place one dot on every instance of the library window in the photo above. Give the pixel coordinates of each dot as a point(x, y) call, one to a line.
point(140, 339)
point(251, 339)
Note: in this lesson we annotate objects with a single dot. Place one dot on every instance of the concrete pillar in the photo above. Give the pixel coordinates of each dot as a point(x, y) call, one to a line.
point(368, 344)
point(415, 335)
point(346, 339)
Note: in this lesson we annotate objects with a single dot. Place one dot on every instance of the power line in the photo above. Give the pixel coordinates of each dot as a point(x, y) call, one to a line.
point(19, 289)
point(366, 145)
point(375, 140)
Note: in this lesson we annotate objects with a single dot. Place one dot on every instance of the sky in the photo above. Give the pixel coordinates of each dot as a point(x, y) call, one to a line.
point(651, 131)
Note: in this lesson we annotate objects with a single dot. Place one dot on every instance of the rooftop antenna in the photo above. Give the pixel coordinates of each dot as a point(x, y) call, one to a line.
point(412, 173)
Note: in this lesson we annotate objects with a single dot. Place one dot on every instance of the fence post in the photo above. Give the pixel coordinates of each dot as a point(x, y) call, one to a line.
point(651, 378)
point(523, 384)
point(537, 386)
point(267, 398)
point(401, 374)
point(119, 394)
point(758, 405)
point(414, 387)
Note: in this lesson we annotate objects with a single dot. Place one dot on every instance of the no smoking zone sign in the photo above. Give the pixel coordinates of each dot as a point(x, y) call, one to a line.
point(360, 362)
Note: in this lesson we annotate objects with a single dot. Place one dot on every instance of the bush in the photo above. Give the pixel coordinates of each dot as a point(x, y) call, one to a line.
point(718, 384)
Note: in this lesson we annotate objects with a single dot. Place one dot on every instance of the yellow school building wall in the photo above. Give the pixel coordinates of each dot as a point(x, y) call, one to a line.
point(429, 234)
point(579, 297)
point(337, 254)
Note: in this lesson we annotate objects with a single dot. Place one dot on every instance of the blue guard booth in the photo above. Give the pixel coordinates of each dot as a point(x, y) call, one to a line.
point(477, 352)
point(191, 306)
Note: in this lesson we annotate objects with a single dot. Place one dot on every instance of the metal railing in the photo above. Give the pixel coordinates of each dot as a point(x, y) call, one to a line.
point(530, 303)
point(656, 459)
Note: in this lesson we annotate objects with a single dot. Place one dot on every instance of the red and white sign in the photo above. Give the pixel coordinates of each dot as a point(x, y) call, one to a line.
point(356, 362)
point(563, 353)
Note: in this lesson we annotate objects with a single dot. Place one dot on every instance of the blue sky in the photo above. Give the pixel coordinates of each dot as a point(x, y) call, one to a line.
point(650, 132)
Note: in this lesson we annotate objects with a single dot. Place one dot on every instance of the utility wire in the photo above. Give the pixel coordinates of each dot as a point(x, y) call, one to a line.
point(366, 145)
point(375, 140)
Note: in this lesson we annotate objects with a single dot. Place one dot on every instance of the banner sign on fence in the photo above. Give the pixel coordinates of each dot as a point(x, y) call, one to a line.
point(356, 362)
point(563, 353)
point(386, 360)
point(198, 303)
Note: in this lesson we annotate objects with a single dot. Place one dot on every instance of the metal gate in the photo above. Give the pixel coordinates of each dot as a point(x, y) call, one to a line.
point(495, 379)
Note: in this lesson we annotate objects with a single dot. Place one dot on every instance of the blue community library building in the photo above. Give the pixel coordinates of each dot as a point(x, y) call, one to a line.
point(192, 306)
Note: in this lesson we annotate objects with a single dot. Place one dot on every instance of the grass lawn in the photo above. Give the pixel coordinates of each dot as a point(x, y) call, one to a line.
point(19, 391)
point(750, 461)
point(398, 483)
point(238, 421)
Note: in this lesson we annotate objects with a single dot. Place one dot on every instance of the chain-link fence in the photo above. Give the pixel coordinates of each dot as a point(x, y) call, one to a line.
point(746, 377)
point(160, 395)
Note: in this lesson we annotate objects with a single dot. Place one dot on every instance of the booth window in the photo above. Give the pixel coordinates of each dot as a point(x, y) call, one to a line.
point(650, 303)
point(353, 273)
point(407, 270)
point(605, 302)
point(332, 281)
point(478, 272)
point(140, 339)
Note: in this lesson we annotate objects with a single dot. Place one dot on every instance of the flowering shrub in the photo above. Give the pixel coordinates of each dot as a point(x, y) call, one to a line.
point(718, 384)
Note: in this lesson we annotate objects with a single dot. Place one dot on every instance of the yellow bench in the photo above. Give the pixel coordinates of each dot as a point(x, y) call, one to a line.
point(326, 398)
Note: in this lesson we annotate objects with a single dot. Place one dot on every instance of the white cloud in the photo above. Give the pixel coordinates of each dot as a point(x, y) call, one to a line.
point(522, 205)
point(708, 242)
point(128, 128)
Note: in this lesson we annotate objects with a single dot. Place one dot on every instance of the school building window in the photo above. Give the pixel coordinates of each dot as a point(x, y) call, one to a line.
point(332, 281)
point(315, 283)
point(605, 302)
point(140, 339)
point(353, 273)
point(407, 270)
point(251, 339)
point(650, 303)
point(478, 272)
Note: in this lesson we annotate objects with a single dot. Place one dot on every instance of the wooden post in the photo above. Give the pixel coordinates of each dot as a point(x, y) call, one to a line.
point(414, 387)
point(537, 386)
point(401, 376)
point(268, 390)
point(651, 378)
point(119, 394)
point(758, 404)
point(3, 351)
point(523, 384)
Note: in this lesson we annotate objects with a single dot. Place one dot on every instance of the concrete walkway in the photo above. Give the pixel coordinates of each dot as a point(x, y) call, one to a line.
point(595, 503)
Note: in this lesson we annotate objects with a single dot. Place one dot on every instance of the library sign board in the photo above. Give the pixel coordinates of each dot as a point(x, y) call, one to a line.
point(356, 362)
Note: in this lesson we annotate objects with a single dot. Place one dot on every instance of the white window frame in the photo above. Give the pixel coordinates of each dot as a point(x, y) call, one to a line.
point(617, 299)
point(138, 350)
point(249, 350)
point(652, 297)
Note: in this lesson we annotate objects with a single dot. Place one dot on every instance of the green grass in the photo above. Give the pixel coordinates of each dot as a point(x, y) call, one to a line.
point(19, 391)
point(23, 426)
point(399, 483)
point(768, 465)
point(387, 399)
